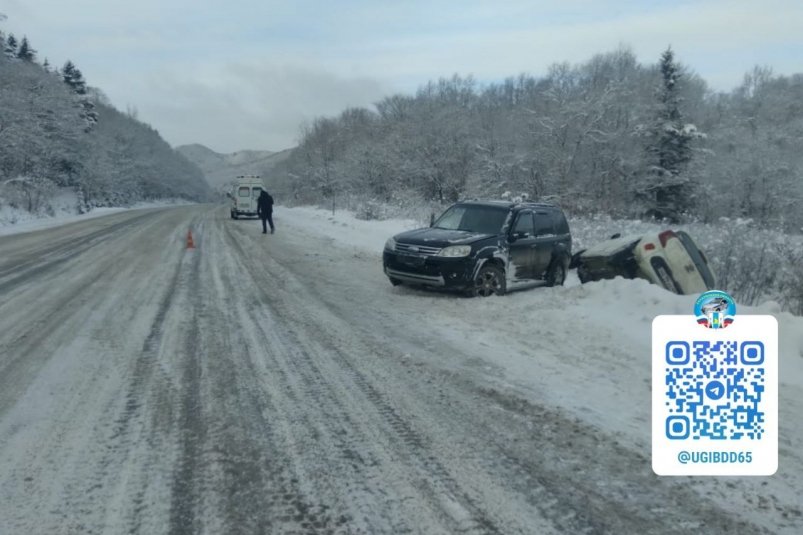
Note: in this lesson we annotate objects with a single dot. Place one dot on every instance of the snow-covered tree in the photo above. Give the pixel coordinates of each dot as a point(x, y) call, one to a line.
point(45, 144)
point(668, 191)
point(756, 167)
point(73, 77)
point(10, 49)
point(588, 136)
point(26, 52)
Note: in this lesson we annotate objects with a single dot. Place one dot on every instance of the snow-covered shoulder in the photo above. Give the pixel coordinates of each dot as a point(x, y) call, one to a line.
point(344, 228)
point(14, 221)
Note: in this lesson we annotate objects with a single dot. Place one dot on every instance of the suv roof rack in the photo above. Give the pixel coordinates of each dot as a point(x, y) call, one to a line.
point(505, 202)
point(545, 204)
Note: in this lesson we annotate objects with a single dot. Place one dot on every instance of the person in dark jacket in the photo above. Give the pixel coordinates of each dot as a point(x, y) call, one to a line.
point(265, 211)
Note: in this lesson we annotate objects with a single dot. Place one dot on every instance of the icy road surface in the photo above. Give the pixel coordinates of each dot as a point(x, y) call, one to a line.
point(278, 384)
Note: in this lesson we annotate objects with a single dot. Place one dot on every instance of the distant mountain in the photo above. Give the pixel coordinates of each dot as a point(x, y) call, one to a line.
point(220, 169)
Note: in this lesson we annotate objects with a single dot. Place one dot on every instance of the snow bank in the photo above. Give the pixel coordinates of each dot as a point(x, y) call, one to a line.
point(14, 221)
point(751, 263)
point(585, 349)
point(624, 308)
point(610, 329)
point(344, 228)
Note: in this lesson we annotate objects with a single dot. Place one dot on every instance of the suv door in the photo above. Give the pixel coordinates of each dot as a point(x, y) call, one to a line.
point(522, 244)
point(544, 243)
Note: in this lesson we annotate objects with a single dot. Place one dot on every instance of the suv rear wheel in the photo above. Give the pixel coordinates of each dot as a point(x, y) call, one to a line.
point(490, 280)
point(556, 275)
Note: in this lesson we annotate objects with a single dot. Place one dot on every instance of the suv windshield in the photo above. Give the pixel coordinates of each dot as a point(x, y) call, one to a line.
point(484, 219)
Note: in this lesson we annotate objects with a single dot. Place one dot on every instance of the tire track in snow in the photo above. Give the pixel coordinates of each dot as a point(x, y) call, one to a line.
point(577, 501)
point(186, 490)
point(435, 483)
point(57, 255)
point(82, 472)
point(261, 434)
point(130, 437)
point(574, 475)
point(26, 344)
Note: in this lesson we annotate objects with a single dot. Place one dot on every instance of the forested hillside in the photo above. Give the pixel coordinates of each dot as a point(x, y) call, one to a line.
point(610, 136)
point(57, 134)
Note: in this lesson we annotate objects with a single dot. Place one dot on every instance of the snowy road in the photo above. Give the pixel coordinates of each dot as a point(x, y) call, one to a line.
point(278, 384)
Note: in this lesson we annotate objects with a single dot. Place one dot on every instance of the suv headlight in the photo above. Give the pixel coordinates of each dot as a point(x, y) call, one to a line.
point(390, 245)
point(454, 251)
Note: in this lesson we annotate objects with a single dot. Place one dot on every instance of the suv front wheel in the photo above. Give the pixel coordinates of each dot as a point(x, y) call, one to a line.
point(490, 280)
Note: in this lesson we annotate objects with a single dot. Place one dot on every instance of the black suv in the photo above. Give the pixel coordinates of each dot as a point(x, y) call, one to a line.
point(483, 248)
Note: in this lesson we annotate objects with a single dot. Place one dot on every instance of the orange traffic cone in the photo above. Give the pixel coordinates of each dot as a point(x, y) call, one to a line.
point(190, 243)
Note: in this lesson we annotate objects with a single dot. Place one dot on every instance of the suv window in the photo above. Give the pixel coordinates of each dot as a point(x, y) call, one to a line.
point(484, 219)
point(543, 224)
point(561, 225)
point(244, 191)
point(524, 224)
point(451, 219)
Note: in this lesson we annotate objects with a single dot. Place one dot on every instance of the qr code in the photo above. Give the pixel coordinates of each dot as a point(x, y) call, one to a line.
point(714, 390)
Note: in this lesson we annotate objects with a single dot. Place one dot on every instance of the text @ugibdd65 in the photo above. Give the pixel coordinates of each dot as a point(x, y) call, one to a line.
point(714, 457)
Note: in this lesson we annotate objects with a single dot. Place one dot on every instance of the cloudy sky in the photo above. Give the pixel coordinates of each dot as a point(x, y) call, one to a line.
point(246, 74)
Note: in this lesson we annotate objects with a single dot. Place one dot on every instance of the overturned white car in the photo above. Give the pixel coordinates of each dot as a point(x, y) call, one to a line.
point(669, 259)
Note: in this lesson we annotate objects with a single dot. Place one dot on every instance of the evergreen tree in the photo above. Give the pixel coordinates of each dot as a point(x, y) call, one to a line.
point(46, 65)
point(72, 77)
point(26, 52)
point(67, 71)
point(11, 46)
point(669, 192)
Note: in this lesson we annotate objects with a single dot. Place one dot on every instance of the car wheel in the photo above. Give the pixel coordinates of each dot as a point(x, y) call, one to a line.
point(490, 280)
point(394, 282)
point(582, 275)
point(556, 275)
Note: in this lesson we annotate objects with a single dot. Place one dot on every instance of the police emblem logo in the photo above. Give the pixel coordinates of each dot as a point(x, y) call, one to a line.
point(715, 309)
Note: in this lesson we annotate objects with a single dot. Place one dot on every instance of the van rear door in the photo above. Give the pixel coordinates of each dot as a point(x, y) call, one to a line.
point(244, 199)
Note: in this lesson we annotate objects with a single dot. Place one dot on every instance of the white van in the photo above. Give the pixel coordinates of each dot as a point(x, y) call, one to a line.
point(244, 195)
